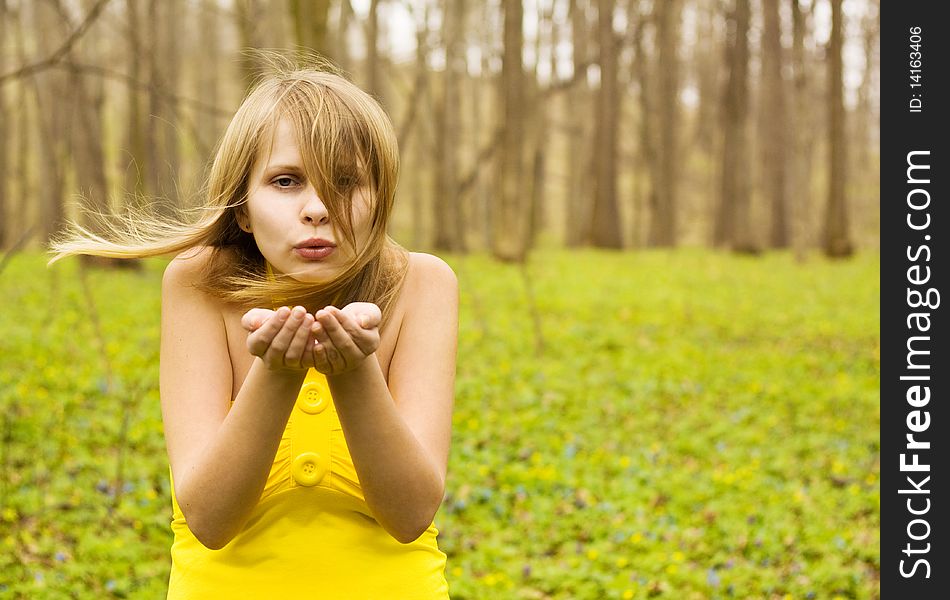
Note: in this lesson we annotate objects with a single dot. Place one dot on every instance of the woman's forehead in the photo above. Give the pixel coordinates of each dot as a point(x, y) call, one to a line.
point(284, 148)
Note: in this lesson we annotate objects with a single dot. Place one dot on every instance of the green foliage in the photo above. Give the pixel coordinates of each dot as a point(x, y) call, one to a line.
point(697, 425)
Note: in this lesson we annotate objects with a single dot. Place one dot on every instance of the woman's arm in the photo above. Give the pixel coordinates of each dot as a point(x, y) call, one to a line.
point(220, 460)
point(399, 436)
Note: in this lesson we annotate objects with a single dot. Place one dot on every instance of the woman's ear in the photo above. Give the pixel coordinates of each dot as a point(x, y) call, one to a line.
point(243, 222)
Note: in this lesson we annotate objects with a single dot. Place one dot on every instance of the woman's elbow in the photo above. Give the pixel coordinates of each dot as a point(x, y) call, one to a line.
point(413, 529)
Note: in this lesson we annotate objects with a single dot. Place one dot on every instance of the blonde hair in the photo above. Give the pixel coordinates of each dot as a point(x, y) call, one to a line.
point(345, 139)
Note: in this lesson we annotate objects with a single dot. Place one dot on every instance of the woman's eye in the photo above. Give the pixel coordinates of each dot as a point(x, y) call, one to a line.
point(284, 182)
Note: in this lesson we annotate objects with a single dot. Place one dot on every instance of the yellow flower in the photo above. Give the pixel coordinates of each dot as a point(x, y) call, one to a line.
point(622, 562)
point(592, 554)
point(671, 569)
point(627, 594)
point(678, 556)
point(636, 538)
point(457, 572)
point(624, 462)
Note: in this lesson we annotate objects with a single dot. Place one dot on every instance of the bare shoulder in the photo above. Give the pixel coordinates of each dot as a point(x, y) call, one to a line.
point(187, 267)
point(429, 273)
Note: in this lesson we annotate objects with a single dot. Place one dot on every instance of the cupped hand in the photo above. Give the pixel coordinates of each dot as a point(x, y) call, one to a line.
point(339, 339)
point(282, 339)
point(345, 337)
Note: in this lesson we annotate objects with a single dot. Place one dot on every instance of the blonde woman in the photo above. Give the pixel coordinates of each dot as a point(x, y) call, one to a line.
point(307, 360)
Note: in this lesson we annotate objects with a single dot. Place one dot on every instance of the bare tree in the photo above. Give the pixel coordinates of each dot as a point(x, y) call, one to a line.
point(664, 209)
point(800, 193)
point(309, 18)
point(837, 238)
point(647, 164)
point(509, 241)
point(733, 220)
point(85, 133)
point(133, 160)
point(4, 133)
point(449, 228)
point(164, 69)
point(606, 218)
point(49, 87)
point(773, 123)
point(579, 149)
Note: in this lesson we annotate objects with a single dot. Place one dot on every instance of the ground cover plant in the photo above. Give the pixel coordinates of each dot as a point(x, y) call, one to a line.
point(680, 424)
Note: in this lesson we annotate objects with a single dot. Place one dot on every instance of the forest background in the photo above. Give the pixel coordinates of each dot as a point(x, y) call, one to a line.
point(665, 220)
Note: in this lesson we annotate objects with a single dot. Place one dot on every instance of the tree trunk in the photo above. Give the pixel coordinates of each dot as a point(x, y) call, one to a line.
point(648, 164)
point(663, 222)
point(161, 133)
point(606, 219)
point(248, 14)
point(837, 238)
point(773, 125)
point(209, 74)
point(310, 24)
point(509, 241)
point(85, 140)
point(801, 136)
point(4, 133)
point(579, 149)
point(134, 158)
point(733, 221)
point(420, 151)
point(449, 232)
point(374, 76)
point(50, 96)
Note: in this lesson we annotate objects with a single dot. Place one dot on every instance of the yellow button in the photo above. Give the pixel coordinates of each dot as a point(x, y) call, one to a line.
point(312, 399)
point(309, 468)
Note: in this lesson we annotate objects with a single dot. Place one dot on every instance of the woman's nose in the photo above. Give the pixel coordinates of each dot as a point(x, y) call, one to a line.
point(314, 211)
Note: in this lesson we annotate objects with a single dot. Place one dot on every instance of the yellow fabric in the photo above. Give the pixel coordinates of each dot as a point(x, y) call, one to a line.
point(311, 534)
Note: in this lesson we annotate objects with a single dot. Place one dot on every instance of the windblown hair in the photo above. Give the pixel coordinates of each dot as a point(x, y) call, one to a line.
point(345, 140)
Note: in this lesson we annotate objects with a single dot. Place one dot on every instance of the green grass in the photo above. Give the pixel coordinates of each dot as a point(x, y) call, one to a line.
point(685, 424)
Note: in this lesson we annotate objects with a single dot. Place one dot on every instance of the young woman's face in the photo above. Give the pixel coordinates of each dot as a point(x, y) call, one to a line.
point(286, 215)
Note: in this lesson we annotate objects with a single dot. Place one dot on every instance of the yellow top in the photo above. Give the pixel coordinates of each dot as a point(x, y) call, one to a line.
point(311, 534)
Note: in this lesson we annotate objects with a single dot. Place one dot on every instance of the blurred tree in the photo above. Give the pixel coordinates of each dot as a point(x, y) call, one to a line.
point(374, 61)
point(509, 231)
point(51, 117)
point(800, 169)
point(309, 18)
point(647, 160)
point(448, 214)
point(773, 124)
point(248, 15)
point(134, 156)
point(837, 237)
point(663, 214)
point(85, 131)
point(208, 76)
point(162, 125)
point(4, 130)
point(733, 226)
point(579, 131)
point(605, 231)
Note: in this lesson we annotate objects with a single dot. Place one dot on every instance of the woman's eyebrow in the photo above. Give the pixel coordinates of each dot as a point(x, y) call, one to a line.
point(281, 167)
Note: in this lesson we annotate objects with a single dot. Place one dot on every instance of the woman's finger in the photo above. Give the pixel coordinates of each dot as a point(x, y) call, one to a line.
point(298, 345)
point(341, 339)
point(359, 336)
point(255, 317)
point(278, 347)
point(326, 346)
point(259, 341)
point(366, 314)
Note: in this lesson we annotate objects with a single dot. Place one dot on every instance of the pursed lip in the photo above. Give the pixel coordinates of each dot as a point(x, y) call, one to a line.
point(315, 243)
